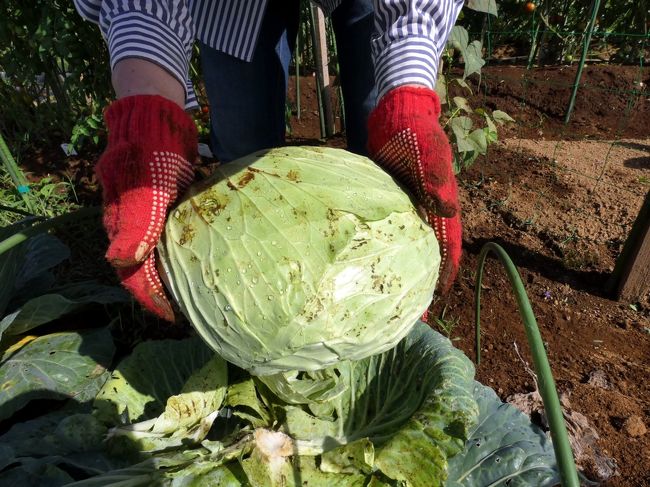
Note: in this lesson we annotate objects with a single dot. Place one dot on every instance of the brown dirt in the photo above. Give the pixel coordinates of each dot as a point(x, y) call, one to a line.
point(560, 199)
point(563, 238)
point(613, 101)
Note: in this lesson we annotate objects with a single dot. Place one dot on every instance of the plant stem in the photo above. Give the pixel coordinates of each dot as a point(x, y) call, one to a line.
point(16, 174)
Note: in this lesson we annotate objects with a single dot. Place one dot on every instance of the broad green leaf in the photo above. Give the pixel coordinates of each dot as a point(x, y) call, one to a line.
point(42, 252)
point(47, 307)
point(461, 127)
point(471, 52)
point(462, 103)
point(57, 366)
point(479, 139)
point(501, 117)
point(243, 399)
point(487, 6)
point(492, 129)
point(188, 416)
point(355, 457)
point(504, 448)
point(142, 382)
point(419, 394)
point(458, 38)
point(490, 137)
point(56, 433)
point(7, 455)
point(201, 395)
point(208, 474)
point(473, 58)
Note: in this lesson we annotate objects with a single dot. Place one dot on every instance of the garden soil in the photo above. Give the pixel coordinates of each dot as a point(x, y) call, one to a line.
point(560, 199)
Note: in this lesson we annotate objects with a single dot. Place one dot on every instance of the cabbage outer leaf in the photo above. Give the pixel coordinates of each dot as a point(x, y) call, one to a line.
point(504, 448)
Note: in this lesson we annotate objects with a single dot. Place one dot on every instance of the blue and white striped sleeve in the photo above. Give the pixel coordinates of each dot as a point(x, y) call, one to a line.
point(157, 31)
point(410, 36)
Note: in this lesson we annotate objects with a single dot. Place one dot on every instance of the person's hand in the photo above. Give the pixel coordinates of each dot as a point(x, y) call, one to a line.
point(152, 144)
point(405, 138)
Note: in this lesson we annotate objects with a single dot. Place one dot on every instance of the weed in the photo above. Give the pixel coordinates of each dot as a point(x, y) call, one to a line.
point(49, 198)
point(445, 325)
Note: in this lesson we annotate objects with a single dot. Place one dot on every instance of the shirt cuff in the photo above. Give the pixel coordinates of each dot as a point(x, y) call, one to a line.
point(413, 60)
point(137, 35)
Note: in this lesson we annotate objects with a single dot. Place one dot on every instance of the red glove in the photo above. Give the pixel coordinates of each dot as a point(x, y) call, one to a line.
point(406, 139)
point(152, 144)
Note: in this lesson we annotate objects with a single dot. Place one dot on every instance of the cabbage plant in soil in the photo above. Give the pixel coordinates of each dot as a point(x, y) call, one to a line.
point(371, 397)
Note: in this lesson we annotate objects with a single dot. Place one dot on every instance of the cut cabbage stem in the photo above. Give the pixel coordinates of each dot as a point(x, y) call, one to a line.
point(561, 445)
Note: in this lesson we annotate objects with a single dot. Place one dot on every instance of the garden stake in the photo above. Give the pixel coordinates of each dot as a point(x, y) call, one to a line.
point(581, 65)
point(534, 42)
point(297, 63)
point(561, 445)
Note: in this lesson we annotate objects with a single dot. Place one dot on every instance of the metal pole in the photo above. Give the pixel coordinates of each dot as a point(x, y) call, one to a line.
point(585, 49)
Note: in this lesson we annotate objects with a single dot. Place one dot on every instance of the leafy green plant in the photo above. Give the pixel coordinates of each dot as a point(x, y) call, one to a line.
point(471, 130)
point(444, 324)
point(56, 72)
point(89, 128)
point(157, 422)
point(48, 198)
point(30, 297)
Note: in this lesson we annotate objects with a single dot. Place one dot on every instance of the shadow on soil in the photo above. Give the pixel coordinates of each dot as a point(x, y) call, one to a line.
point(592, 282)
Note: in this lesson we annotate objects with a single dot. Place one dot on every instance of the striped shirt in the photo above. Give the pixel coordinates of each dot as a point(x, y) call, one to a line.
point(406, 46)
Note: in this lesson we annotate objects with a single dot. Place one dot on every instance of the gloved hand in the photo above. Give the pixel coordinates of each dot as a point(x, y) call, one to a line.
point(152, 144)
point(405, 138)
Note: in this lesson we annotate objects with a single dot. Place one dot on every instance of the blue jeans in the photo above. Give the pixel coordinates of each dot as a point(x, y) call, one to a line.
point(248, 99)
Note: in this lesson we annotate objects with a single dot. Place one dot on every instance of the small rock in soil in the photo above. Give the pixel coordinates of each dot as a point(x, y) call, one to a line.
point(598, 378)
point(634, 427)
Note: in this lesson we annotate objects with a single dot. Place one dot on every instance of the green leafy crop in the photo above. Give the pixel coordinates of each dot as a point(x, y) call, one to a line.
point(298, 258)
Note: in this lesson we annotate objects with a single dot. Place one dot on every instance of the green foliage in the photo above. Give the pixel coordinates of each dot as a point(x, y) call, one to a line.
point(470, 130)
point(56, 365)
point(554, 31)
point(410, 416)
point(55, 69)
point(503, 442)
point(49, 199)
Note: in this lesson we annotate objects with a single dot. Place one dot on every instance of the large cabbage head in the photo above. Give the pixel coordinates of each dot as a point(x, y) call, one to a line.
point(299, 257)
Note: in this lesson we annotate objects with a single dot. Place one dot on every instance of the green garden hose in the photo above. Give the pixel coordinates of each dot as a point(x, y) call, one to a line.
point(561, 445)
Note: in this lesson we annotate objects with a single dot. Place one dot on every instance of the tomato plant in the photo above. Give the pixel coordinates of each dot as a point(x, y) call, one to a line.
point(530, 7)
